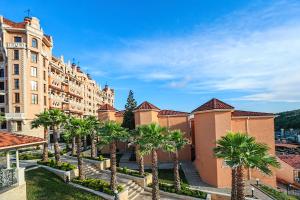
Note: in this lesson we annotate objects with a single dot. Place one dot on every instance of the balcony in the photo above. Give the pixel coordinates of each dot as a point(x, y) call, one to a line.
point(16, 45)
point(14, 116)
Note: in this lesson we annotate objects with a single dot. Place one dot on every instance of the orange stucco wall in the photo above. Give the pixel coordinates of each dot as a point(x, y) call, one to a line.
point(106, 116)
point(263, 131)
point(286, 172)
point(142, 117)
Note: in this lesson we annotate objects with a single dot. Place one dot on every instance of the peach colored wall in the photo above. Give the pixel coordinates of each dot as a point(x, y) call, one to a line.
point(119, 119)
point(263, 130)
point(205, 140)
point(142, 117)
point(286, 172)
point(106, 116)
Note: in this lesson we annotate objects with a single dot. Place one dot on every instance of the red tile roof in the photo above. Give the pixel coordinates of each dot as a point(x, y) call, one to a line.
point(292, 160)
point(214, 104)
point(13, 24)
point(147, 106)
point(172, 112)
point(10, 140)
point(106, 107)
point(241, 113)
point(120, 113)
point(291, 146)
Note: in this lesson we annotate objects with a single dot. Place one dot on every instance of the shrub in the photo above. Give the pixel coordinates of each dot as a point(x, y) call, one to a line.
point(97, 184)
point(276, 194)
point(131, 172)
point(63, 166)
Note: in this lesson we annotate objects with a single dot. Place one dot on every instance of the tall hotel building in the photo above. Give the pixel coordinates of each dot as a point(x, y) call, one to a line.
point(33, 80)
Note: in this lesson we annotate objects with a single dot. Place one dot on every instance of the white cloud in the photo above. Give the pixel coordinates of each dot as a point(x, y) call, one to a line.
point(255, 51)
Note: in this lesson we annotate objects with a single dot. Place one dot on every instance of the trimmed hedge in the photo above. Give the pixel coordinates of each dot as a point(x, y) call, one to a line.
point(131, 172)
point(97, 184)
point(99, 158)
point(63, 166)
point(33, 156)
point(184, 190)
point(276, 194)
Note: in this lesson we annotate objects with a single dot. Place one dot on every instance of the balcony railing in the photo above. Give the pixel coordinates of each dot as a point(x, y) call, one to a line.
point(8, 177)
point(16, 45)
point(14, 116)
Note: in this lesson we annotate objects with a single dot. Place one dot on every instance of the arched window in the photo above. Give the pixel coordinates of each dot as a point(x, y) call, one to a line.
point(34, 43)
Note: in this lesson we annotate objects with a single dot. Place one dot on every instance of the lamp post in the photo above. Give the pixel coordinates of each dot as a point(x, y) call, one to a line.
point(257, 181)
point(252, 192)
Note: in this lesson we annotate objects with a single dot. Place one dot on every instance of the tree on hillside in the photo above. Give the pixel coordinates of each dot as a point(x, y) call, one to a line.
point(241, 151)
point(128, 120)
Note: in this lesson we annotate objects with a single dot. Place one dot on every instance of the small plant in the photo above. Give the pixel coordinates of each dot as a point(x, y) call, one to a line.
point(276, 194)
point(131, 172)
point(63, 165)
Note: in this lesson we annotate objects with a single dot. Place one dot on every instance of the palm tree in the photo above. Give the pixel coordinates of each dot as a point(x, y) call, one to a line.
point(242, 151)
point(111, 133)
point(135, 138)
point(178, 141)
point(94, 125)
point(44, 121)
point(153, 139)
point(77, 128)
point(52, 118)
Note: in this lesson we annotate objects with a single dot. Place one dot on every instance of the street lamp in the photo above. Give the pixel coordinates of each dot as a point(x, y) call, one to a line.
point(257, 180)
point(288, 187)
point(252, 192)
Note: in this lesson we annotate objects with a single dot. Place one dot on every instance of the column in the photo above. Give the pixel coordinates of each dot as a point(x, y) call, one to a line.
point(7, 160)
point(17, 159)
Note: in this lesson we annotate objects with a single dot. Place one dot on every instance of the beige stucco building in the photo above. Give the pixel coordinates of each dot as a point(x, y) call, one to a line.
point(33, 80)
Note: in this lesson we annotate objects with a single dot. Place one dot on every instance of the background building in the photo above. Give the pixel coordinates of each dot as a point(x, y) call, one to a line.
point(33, 80)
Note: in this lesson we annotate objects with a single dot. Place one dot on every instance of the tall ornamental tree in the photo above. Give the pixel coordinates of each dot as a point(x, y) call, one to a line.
point(111, 133)
point(241, 151)
point(94, 126)
point(43, 120)
point(154, 139)
point(178, 141)
point(78, 128)
point(128, 120)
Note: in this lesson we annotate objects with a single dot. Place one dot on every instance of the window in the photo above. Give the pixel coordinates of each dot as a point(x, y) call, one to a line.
point(45, 88)
point(16, 81)
point(18, 39)
point(34, 98)
point(33, 71)
point(44, 62)
point(44, 75)
point(17, 98)
point(17, 109)
point(16, 69)
point(2, 111)
point(45, 101)
point(34, 57)
point(34, 43)
point(1, 73)
point(16, 55)
point(3, 125)
point(1, 85)
point(34, 86)
point(19, 126)
point(2, 99)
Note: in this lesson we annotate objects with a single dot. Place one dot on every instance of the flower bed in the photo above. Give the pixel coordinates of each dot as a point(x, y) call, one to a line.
point(275, 194)
point(98, 185)
point(184, 190)
point(63, 166)
point(131, 172)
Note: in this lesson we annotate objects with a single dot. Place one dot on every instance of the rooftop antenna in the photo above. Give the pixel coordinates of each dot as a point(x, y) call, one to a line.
point(28, 12)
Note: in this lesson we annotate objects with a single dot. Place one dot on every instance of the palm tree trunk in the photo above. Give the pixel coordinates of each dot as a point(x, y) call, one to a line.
point(56, 146)
point(233, 184)
point(93, 146)
point(45, 149)
point(73, 146)
point(140, 160)
point(113, 167)
point(84, 143)
point(79, 158)
point(240, 186)
point(155, 183)
point(176, 172)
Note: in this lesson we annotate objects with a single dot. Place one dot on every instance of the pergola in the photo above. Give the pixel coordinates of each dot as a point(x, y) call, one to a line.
point(10, 141)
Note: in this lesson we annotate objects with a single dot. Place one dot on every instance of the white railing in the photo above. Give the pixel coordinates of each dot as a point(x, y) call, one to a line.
point(14, 116)
point(16, 45)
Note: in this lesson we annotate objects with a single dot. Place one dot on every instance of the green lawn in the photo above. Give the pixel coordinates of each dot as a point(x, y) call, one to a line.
point(44, 185)
point(167, 175)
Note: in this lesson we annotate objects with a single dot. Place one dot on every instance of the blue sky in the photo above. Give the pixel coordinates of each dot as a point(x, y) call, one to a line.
point(179, 54)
